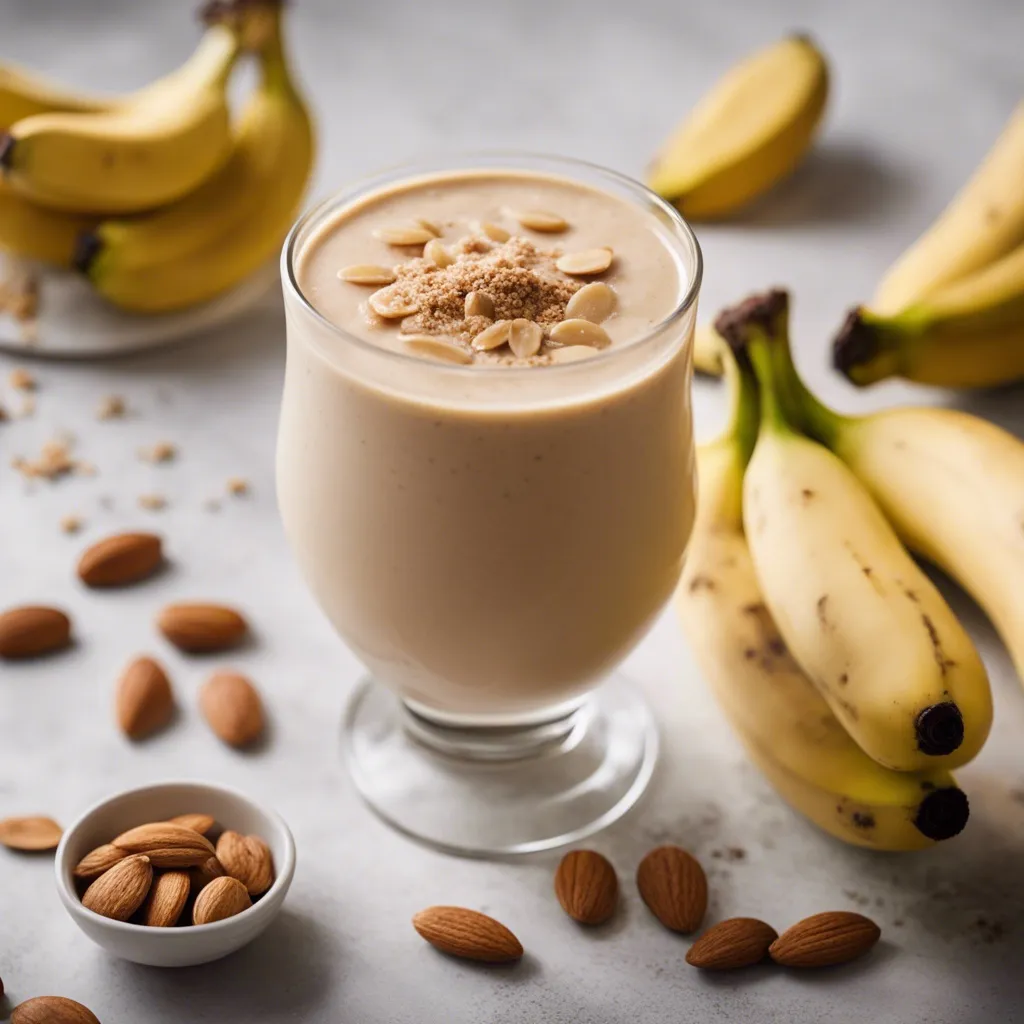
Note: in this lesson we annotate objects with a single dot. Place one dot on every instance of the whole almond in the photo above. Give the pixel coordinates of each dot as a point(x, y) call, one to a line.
point(167, 845)
point(737, 942)
point(200, 628)
point(33, 630)
point(248, 859)
point(468, 934)
point(119, 892)
point(144, 702)
point(122, 559)
point(52, 1010)
point(94, 863)
point(201, 823)
point(30, 835)
point(233, 708)
point(587, 887)
point(674, 887)
point(823, 940)
point(166, 900)
point(202, 875)
point(223, 897)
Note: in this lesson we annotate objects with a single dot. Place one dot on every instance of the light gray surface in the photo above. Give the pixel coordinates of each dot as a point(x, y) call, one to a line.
point(921, 90)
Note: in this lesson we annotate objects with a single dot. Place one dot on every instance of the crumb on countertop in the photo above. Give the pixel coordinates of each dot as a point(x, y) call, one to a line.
point(238, 486)
point(21, 380)
point(162, 451)
point(71, 524)
point(152, 502)
point(112, 407)
point(53, 462)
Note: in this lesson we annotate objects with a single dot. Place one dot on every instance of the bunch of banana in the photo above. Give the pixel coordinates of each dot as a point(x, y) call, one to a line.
point(785, 724)
point(951, 311)
point(747, 134)
point(229, 226)
point(951, 485)
point(862, 620)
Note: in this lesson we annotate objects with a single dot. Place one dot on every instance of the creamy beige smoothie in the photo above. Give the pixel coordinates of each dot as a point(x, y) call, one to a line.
point(485, 463)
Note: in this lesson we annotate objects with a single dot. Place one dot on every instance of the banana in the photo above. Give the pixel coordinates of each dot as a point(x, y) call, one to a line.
point(172, 136)
point(966, 334)
point(708, 351)
point(24, 94)
point(951, 485)
point(982, 223)
point(782, 720)
point(37, 233)
point(231, 225)
point(869, 628)
point(747, 134)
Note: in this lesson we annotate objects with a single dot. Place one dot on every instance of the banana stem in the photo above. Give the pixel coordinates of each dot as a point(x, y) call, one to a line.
point(744, 414)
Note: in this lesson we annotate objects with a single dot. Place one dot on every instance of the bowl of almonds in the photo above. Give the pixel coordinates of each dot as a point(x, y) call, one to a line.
point(175, 874)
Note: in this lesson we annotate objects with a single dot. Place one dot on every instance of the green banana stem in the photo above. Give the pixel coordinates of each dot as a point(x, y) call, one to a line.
point(868, 348)
point(741, 432)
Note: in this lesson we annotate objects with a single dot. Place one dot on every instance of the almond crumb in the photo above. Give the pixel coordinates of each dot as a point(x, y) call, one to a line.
point(152, 502)
point(237, 486)
point(28, 407)
point(71, 524)
point(111, 408)
point(162, 451)
point(54, 461)
point(21, 380)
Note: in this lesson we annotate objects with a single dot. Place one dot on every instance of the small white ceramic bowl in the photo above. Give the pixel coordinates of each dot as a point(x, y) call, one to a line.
point(192, 944)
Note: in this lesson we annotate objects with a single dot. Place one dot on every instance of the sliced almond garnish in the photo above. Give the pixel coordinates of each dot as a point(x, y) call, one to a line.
point(594, 302)
point(390, 304)
point(495, 232)
point(572, 353)
point(524, 338)
point(588, 261)
point(492, 337)
point(580, 332)
point(367, 273)
point(436, 252)
point(541, 220)
point(411, 233)
point(429, 225)
point(436, 348)
point(479, 304)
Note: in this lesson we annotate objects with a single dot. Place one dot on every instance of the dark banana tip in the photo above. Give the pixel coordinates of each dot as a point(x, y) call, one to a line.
point(855, 344)
point(940, 729)
point(942, 814)
point(761, 310)
point(216, 11)
point(7, 144)
point(87, 247)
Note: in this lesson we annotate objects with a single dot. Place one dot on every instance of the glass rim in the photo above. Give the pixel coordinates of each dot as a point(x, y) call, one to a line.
point(366, 184)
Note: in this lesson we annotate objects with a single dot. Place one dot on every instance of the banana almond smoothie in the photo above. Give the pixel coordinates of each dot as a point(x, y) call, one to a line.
point(485, 465)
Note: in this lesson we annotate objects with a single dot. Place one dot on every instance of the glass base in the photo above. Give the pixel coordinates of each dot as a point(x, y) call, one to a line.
point(497, 790)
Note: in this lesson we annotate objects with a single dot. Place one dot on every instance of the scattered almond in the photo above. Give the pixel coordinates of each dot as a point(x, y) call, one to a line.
point(71, 524)
point(580, 332)
point(493, 337)
point(524, 338)
point(205, 873)
point(233, 709)
point(585, 263)
point(22, 380)
point(495, 232)
point(201, 823)
point(468, 934)
point(166, 900)
point(223, 897)
point(52, 1010)
point(412, 233)
point(32, 630)
point(237, 486)
point(737, 942)
point(120, 891)
point(436, 252)
point(121, 559)
point(167, 845)
point(30, 835)
point(824, 940)
point(144, 701)
point(199, 628)
point(111, 408)
point(94, 863)
point(594, 302)
point(248, 859)
point(541, 220)
point(587, 887)
point(367, 274)
point(674, 887)
point(162, 451)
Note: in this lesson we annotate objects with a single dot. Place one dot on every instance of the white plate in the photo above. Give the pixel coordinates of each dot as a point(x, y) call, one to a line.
point(76, 323)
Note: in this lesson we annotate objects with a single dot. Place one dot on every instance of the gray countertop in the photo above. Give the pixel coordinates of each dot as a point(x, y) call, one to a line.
point(920, 93)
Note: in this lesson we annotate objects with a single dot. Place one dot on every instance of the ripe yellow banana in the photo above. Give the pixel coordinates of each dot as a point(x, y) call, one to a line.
point(747, 134)
point(952, 486)
point(969, 333)
point(37, 233)
point(983, 223)
point(230, 226)
point(172, 136)
point(785, 724)
point(25, 94)
point(869, 628)
point(708, 351)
